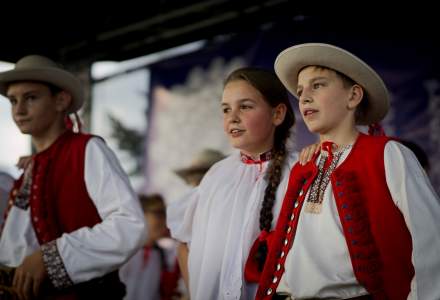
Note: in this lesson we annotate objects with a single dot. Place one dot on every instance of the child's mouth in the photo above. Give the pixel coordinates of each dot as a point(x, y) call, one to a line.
point(236, 132)
point(308, 112)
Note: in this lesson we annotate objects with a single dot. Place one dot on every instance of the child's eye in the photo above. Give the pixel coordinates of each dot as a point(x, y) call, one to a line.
point(13, 101)
point(245, 106)
point(226, 110)
point(299, 92)
point(317, 85)
point(30, 98)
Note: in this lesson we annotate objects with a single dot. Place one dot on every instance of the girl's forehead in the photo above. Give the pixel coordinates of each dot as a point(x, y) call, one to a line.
point(238, 84)
point(238, 90)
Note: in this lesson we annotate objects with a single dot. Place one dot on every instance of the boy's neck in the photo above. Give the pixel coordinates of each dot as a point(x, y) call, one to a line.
point(43, 142)
point(341, 137)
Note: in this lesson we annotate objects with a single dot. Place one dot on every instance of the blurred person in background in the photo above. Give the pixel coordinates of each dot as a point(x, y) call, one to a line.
point(6, 182)
point(192, 175)
point(153, 273)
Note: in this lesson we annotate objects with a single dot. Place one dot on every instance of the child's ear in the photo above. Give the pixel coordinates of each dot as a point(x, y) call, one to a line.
point(63, 101)
point(278, 114)
point(357, 93)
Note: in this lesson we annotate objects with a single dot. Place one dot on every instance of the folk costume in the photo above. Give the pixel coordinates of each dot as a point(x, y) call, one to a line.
point(74, 202)
point(220, 221)
point(373, 235)
point(360, 221)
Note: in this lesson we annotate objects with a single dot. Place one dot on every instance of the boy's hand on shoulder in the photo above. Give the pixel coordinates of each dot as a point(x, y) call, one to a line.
point(29, 276)
point(307, 153)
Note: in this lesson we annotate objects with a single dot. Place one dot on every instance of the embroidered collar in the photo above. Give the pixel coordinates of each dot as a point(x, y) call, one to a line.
point(263, 157)
point(328, 149)
point(327, 163)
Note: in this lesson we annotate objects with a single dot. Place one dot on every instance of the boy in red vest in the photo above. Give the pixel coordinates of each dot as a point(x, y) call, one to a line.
point(361, 220)
point(73, 217)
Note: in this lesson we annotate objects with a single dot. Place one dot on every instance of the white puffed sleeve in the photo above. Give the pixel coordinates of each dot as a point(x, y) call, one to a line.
point(93, 252)
point(414, 195)
point(180, 215)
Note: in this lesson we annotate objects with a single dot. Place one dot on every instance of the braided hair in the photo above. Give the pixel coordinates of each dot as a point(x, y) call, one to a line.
point(274, 93)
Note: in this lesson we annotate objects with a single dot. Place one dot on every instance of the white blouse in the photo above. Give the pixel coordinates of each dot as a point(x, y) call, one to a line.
point(320, 244)
point(220, 221)
point(87, 252)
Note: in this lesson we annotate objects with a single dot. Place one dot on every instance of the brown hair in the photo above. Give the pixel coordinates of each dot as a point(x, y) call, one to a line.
point(153, 203)
point(52, 88)
point(274, 93)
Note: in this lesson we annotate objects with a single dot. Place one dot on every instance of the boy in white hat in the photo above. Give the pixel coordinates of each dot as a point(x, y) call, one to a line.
point(361, 223)
point(73, 217)
point(193, 175)
point(201, 163)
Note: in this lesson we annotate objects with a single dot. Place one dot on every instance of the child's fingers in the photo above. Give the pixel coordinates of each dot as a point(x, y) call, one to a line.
point(317, 148)
point(308, 152)
point(23, 162)
point(304, 155)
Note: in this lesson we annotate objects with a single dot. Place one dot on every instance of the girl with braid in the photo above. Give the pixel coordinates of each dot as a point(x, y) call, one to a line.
point(239, 197)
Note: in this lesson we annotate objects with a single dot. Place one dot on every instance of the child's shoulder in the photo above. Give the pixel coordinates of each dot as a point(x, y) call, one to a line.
point(78, 137)
point(372, 142)
point(223, 165)
point(375, 138)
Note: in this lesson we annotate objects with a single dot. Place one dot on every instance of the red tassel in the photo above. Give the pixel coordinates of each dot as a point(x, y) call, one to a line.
point(263, 235)
point(70, 125)
point(68, 122)
point(252, 271)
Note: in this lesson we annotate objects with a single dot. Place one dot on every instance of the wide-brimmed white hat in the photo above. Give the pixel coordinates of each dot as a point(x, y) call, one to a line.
point(292, 60)
point(201, 162)
point(40, 68)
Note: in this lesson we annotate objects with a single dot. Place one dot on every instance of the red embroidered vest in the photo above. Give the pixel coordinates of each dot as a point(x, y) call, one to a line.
point(59, 203)
point(377, 237)
point(59, 200)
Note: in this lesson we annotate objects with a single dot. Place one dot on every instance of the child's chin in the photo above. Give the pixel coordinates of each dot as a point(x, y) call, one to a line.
point(236, 145)
point(313, 129)
point(24, 131)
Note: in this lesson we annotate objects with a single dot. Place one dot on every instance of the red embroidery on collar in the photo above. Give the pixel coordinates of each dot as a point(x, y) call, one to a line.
point(263, 157)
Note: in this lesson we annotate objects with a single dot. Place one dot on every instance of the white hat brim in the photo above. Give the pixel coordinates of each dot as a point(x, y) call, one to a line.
point(58, 77)
point(292, 60)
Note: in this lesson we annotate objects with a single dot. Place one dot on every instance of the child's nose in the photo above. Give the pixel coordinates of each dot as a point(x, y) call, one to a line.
point(234, 117)
point(305, 98)
point(20, 108)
